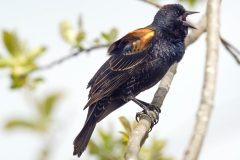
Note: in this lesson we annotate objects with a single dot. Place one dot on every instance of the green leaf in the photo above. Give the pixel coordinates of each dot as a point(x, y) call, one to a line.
point(125, 137)
point(67, 32)
point(36, 52)
point(12, 43)
point(80, 37)
point(191, 2)
point(5, 62)
point(113, 34)
point(22, 60)
point(18, 81)
point(32, 83)
point(105, 36)
point(105, 136)
point(21, 123)
point(46, 107)
point(93, 147)
point(38, 80)
point(96, 41)
point(126, 124)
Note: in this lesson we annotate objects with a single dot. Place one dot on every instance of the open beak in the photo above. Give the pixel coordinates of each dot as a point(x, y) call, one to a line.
point(187, 13)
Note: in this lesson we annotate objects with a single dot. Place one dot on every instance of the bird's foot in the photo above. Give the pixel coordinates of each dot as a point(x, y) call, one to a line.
point(154, 107)
point(152, 113)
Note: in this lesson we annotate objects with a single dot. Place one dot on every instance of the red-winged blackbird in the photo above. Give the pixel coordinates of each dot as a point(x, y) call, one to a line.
point(138, 61)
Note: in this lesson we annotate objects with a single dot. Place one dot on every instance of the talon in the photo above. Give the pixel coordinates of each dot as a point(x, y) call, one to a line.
point(138, 115)
point(152, 114)
point(154, 107)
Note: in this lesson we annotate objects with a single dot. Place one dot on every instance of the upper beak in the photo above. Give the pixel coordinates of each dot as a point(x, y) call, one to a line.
point(190, 12)
point(187, 23)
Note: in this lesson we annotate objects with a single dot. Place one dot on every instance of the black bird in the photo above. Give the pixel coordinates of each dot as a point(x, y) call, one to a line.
point(137, 62)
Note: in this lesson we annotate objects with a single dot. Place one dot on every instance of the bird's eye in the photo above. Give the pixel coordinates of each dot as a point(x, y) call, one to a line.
point(182, 18)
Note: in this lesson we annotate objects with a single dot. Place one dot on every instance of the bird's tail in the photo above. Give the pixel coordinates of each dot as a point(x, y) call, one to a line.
point(96, 113)
point(82, 139)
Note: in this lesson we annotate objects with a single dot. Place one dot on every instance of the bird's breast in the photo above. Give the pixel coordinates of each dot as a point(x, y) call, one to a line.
point(168, 50)
point(149, 75)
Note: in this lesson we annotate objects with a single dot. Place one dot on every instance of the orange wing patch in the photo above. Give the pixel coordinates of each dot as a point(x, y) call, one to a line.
point(144, 36)
point(132, 43)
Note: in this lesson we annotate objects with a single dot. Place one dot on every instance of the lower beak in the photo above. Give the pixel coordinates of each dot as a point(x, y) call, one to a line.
point(185, 23)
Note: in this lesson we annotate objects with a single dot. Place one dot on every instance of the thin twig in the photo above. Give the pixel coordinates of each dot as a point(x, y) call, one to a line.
point(208, 90)
point(139, 133)
point(151, 2)
point(231, 49)
point(65, 58)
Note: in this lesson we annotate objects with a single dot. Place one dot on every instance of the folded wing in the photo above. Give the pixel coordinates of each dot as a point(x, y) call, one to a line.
point(126, 55)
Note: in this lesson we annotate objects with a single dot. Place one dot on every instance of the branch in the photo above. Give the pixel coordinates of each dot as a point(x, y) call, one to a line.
point(151, 2)
point(196, 33)
point(231, 49)
point(65, 58)
point(208, 90)
point(140, 133)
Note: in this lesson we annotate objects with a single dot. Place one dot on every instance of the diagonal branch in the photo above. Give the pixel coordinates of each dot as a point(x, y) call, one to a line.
point(65, 58)
point(231, 49)
point(210, 77)
point(151, 2)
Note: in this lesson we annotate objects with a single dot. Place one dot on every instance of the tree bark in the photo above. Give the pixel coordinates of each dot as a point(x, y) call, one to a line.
point(208, 91)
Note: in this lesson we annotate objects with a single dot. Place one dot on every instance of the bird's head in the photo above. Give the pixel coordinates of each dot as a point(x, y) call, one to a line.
point(171, 18)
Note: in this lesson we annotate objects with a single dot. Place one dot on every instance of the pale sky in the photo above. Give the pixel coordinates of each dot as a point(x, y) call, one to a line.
point(37, 22)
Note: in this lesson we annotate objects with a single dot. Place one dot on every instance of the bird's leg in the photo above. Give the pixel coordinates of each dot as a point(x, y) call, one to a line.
point(148, 109)
point(150, 106)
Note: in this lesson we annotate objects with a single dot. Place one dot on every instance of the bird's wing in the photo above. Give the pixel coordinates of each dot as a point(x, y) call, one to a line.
point(126, 54)
point(129, 50)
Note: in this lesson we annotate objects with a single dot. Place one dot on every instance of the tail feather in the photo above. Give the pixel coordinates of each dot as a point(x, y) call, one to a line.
point(95, 114)
point(82, 139)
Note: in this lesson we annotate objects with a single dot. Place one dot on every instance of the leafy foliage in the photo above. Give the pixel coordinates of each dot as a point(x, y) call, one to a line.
point(106, 38)
point(12, 43)
point(20, 60)
point(41, 122)
point(110, 36)
point(77, 37)
point(14, 123)
point(110, 148)
point(192, 2)
point(71, 36)
point(154, 151)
